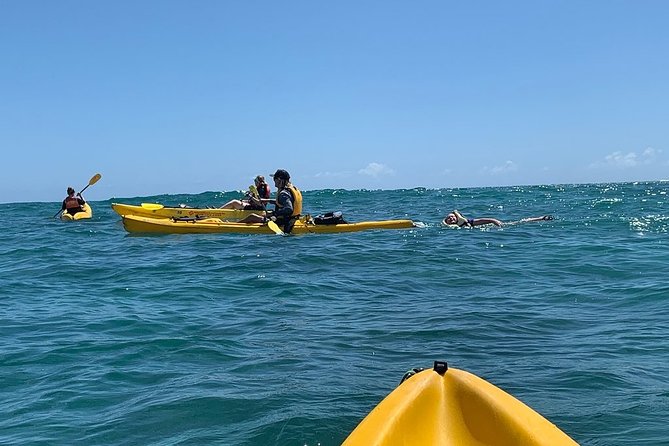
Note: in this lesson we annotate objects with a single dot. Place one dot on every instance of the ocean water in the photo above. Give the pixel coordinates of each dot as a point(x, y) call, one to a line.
point(108, 338)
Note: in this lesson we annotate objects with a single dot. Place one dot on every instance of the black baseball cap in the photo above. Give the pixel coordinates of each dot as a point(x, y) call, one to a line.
point(281, 174)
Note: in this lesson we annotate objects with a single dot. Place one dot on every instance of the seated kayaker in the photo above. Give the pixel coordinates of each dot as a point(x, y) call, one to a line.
point(287, 206)
point(252, 202)
point(455, 218)
point(73, 204)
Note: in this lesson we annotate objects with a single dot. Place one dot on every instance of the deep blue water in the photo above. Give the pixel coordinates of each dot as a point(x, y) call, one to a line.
point(116, 339)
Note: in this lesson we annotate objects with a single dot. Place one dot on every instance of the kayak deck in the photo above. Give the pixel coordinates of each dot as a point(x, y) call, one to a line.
point(453, 407)
point(166, 212)
point(134, 223)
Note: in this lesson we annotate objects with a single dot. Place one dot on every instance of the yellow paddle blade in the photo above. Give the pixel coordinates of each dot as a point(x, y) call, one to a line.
point(152, 206)
point(94, 179)
point(274, 227)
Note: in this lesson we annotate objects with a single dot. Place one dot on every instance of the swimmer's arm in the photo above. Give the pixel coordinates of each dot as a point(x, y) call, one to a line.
point(486, 221)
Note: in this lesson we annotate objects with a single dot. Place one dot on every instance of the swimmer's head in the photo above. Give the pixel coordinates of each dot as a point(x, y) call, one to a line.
point(451, 219)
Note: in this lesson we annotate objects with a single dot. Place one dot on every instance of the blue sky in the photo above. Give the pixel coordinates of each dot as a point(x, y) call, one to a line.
point(185, 97)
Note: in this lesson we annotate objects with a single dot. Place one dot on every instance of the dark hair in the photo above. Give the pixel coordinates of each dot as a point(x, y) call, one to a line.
point(70, 191)
point(281, 174)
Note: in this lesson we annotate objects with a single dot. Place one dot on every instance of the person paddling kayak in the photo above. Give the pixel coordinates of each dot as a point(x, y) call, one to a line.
point(73, 203)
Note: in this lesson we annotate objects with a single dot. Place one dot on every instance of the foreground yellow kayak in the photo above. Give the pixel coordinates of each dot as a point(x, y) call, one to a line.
point(134, 223)
point(452, 407)
point(87, 213)
point(155, 210)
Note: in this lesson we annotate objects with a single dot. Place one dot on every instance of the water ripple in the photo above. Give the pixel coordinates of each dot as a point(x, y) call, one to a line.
point(232, 339)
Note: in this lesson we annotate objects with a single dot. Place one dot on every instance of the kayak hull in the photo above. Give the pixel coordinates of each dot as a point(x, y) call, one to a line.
point(454, 408)
point(158, 211)
point(134, 223)
point(86, 213)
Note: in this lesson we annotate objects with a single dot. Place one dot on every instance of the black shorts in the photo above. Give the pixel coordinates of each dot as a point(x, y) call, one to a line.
point(287, 223)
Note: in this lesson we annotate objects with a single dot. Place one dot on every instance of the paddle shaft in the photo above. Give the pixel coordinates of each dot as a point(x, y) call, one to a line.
point(82, 190)
point(270, 224)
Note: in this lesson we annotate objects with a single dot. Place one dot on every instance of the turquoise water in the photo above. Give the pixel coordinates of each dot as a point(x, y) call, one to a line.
point(116, 339)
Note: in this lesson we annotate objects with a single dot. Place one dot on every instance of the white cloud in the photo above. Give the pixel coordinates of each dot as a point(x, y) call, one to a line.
point(508, 166)
point(650, 154)
point(618, 159)
point(332, 174)
point(376, 169)
point(622, 160)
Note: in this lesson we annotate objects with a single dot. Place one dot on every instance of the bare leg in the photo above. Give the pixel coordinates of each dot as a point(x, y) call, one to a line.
point(233, 204)
point(542, 218)
point(531, 219)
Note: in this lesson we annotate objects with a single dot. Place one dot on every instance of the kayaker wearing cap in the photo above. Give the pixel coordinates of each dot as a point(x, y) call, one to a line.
point(287, 206)
point(73, 204)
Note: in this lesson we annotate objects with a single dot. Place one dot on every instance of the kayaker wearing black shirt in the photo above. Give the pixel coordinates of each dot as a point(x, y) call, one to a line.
point(288, 204)
point(73, 204)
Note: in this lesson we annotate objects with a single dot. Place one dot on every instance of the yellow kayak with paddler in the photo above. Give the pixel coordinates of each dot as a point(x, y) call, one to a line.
point(86, 213)
point(451, 407)
point(135, 223)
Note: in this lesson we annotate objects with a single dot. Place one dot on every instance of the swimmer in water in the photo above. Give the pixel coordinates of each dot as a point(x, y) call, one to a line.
point(455, 218)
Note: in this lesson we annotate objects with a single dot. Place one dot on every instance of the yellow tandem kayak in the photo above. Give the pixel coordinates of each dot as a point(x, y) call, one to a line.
point(86, 213)
point(450, 407)
point(155, 210)
point(134, 223)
